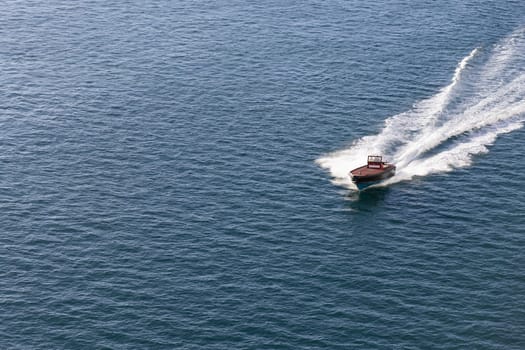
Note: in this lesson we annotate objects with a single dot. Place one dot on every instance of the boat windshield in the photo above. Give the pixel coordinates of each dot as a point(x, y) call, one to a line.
point(375, 159)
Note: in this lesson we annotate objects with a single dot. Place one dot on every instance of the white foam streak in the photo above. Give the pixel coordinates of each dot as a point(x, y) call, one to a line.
point(458, 156)
point(429, 139)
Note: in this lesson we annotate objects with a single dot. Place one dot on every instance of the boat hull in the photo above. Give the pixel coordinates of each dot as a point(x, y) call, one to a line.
point(363, 185)
point(363, 178)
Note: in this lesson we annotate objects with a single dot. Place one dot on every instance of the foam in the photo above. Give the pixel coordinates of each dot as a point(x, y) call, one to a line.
point(436, 136)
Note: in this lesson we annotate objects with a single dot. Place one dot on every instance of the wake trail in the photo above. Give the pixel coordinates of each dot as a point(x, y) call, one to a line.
point(445, 131)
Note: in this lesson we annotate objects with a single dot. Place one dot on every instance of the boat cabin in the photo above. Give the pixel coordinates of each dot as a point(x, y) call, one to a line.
point(375, 162)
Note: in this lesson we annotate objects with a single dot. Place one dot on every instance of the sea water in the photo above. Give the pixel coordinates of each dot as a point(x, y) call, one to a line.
point(173, 175)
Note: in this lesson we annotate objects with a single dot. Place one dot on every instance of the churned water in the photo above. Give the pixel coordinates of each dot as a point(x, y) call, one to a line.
point(173, 175)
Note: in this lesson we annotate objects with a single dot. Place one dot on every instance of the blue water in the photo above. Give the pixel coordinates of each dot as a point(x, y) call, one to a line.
point(172, 175)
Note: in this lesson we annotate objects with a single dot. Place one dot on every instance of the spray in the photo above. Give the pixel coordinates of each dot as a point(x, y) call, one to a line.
point(433, 137)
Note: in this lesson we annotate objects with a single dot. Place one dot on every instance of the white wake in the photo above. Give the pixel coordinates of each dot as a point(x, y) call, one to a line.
point(444, 131)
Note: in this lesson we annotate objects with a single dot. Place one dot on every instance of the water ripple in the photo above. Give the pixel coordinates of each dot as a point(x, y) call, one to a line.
point(158, 186)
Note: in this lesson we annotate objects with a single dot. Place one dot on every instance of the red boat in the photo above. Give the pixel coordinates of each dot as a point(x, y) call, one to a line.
point(373, 172)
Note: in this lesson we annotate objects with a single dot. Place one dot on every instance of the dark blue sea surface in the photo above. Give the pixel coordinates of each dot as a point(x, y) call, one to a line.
point(170, 174)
